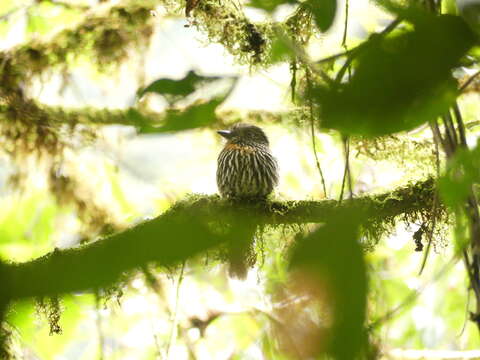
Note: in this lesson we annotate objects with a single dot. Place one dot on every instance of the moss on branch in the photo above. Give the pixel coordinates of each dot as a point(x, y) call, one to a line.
point(189, 227)
point(105, 35)
point(92, 116)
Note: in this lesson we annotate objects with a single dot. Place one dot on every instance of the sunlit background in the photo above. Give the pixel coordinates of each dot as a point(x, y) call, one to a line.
point(133, 177)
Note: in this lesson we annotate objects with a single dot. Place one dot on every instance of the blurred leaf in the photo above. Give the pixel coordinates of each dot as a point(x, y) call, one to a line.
point(470, 11)
point(332, 258)
point(323, 12)
point(46, 16)
point(406, 10)
point(399, 82)
point(194, 116)
point(269, 5)
point(462, 173)
point(280, 50)
point(4, 28)
point(449, 7)
point(34, 329)
point(27, 224)
point(177, 89)
point(37, 24)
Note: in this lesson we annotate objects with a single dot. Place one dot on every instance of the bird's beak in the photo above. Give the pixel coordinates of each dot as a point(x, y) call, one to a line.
point(227, 134)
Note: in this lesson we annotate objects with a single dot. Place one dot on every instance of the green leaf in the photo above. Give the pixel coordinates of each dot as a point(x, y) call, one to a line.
point(462, 173)
point(333, 258)
point(194, 116)
point(449, 7)
point(323, 12)
point(398, 82)
point(174, 90)
point(269, 5)
point(470, 11)
point(280, 50)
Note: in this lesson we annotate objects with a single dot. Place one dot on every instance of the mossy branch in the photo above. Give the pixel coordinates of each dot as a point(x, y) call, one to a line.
point(30, 111)
point(93, 116)
point(189, 227)
point(105, 34)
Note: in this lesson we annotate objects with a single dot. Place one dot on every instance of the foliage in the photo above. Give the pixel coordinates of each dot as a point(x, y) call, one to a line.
point(334, 279)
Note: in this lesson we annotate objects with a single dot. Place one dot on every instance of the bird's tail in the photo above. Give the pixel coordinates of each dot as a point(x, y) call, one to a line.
point(241, 252)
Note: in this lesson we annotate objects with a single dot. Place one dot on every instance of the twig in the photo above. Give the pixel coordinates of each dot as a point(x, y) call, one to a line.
point(430, 233)
point(282, 326)
point(414, 294)
point(345, 27)
point(460, 125)
point(312, 129)
point(353, 53)
point(154, 284)
point(173, 330)
point(450, 131)
point(350, 53)
point(101, 337)
point(346, 172)
point(469, 81)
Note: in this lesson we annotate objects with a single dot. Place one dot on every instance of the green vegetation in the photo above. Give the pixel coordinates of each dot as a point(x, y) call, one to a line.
point(368, 249)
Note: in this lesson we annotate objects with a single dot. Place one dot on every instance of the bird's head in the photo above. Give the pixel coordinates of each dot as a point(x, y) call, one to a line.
point(245, 134)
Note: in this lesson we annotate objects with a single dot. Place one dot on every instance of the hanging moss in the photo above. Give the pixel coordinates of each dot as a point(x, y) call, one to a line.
point(104, 37)
point(51, 309)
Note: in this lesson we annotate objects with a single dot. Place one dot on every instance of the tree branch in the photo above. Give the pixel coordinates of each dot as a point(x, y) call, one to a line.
point(189, 227)
point(106, 33)
point(56, 116)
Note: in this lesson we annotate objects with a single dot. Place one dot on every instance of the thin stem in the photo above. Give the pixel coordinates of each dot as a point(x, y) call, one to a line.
point(437, 135)
point(353, 53)
point(349, 178)
point(414, 294)
point(450, 129)
point(434, 207)
point(346, 171)
point(469, 81)
point(312, 129)
point(101, 336)
point(430, 233)
point(345, 27)
point(460, 125)
point(173, 330)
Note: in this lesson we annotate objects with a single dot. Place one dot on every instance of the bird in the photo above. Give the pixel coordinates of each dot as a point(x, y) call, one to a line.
point(246, 169)
point(247, 172)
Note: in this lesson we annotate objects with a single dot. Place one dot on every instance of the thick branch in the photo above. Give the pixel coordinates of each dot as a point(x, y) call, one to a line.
point(189, 227)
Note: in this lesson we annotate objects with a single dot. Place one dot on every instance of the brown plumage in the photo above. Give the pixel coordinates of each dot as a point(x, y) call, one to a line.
point(246, 168)
point(246, 171)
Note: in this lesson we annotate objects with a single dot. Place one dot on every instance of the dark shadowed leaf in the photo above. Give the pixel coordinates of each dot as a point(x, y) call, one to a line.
point(141, 122)
point(280, 50)
point(323, 12)
point(462, 174)
point(176, 89)
point(450, 7)
point(192, 117)
point(401, 81)
point(269, 5)
point(199, 114)
point(332, 258)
